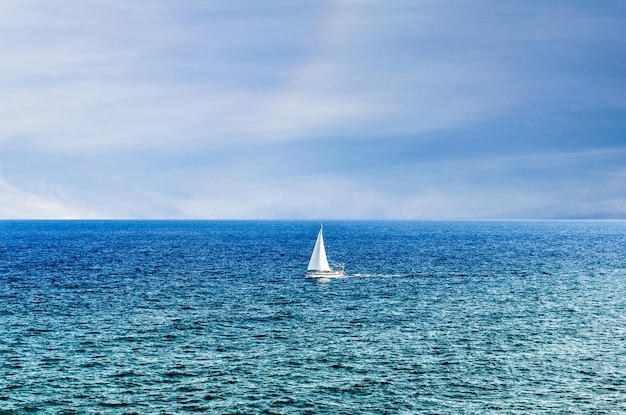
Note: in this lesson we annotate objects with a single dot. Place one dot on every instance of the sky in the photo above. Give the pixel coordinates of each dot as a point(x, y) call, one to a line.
point(290, 109)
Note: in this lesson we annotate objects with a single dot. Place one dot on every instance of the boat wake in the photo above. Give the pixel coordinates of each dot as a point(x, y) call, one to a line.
point(377, 275)
point(327, 278)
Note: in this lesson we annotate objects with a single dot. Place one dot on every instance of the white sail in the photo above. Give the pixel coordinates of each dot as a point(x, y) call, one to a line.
point(318, 261)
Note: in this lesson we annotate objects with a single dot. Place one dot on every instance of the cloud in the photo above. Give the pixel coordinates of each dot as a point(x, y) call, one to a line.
point(557, 185)
point(17, 204)
point(404, 110)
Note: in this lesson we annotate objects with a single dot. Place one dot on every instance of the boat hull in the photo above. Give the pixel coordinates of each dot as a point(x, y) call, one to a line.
point(325, 274)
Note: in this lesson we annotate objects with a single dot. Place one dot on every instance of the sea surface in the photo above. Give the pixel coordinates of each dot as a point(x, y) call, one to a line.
point(174, 317)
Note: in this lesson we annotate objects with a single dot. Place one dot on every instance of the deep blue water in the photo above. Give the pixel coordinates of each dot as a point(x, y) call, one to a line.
point(217, 317)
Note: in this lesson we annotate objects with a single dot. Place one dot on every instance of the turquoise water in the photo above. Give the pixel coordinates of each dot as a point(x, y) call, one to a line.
point(154, 317)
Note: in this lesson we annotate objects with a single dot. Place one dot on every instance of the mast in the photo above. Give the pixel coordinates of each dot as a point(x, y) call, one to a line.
point(318, 261)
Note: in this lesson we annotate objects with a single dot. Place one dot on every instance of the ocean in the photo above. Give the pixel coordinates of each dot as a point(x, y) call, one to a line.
point(173, 317)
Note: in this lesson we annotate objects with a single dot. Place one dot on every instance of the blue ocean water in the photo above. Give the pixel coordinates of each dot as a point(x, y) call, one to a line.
point(155, 317)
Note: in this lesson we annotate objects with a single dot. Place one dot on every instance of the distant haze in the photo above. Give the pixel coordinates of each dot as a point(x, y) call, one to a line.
point(280, 109)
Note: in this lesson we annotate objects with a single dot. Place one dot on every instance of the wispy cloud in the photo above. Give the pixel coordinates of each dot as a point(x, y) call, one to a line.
point(17, 204)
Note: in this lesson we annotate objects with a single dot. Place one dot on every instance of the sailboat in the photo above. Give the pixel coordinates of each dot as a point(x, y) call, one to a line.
point(318, 265)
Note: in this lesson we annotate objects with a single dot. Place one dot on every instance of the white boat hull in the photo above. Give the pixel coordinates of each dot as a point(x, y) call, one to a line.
point(325, 274)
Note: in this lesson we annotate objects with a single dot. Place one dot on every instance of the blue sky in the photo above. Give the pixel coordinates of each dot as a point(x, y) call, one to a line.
point(278, 109)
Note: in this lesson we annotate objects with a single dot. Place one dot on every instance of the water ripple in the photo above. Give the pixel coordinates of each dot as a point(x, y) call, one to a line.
point(217, 317)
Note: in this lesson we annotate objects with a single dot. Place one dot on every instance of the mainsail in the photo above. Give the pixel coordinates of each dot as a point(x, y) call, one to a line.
point(318, 261)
